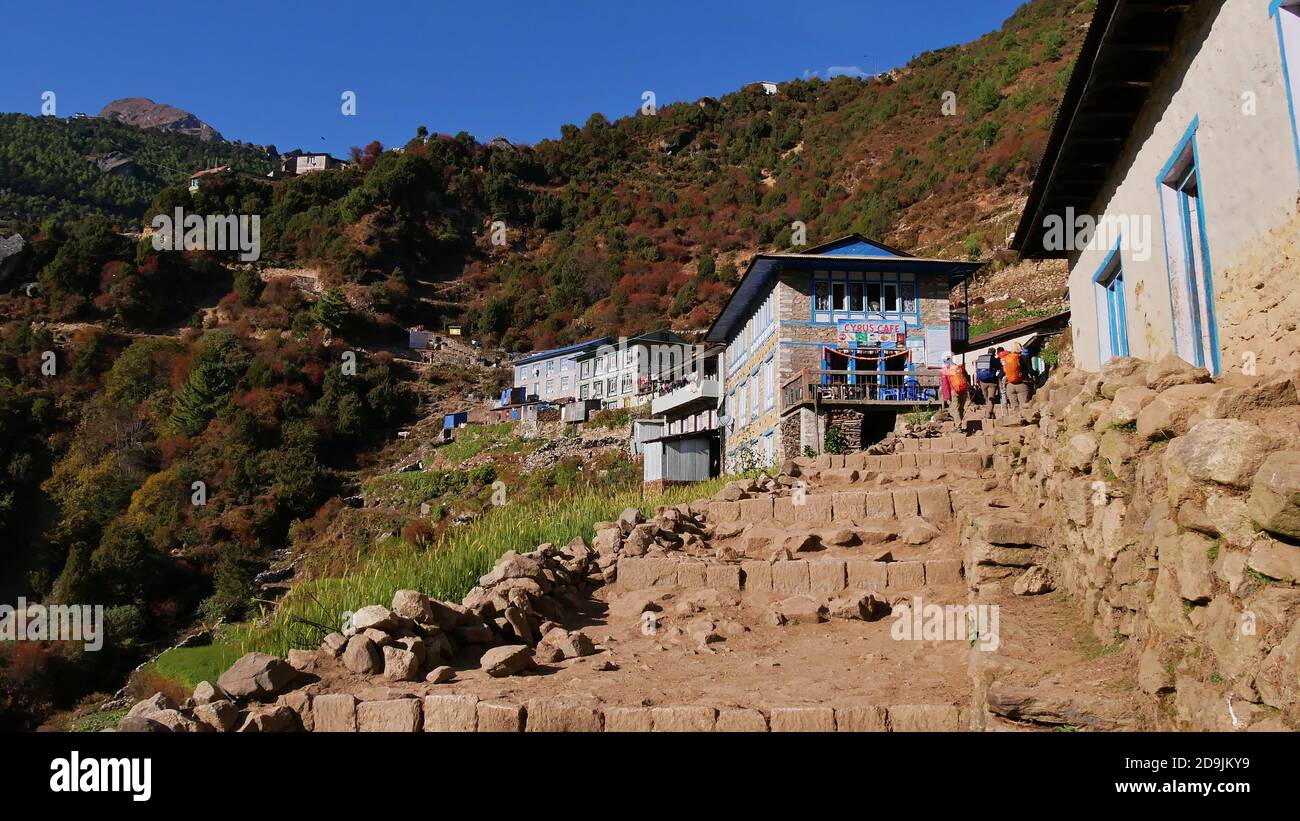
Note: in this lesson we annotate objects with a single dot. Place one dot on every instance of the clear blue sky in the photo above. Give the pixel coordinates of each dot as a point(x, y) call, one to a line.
point(266, 72)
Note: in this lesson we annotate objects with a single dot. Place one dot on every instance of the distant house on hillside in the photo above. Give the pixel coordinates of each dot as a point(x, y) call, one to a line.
point(843, 335)
point(627, 373)
point(297, 163)
point(198, 178)
point(1177, 136)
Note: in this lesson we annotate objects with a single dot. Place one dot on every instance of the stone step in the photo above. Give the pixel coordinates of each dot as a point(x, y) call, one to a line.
point(932, 502)
point(342, 712)
point(971, 459)
point(821, 576)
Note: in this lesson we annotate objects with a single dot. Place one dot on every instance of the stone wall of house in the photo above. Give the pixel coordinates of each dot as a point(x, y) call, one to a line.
point(1171, 504)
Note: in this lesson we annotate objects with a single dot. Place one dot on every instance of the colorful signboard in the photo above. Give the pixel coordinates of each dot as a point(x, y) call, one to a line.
point(872, 333)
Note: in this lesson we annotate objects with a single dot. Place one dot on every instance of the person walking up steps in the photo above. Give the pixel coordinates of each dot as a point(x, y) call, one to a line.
point(956, 385)
point(1017, 390)
point(987, 370)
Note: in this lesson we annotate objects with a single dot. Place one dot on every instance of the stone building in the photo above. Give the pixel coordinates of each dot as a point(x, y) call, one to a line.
point(847, 333)
point(1177, 139)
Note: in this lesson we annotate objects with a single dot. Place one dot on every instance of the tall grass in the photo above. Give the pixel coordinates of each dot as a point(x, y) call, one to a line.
point(447, 569)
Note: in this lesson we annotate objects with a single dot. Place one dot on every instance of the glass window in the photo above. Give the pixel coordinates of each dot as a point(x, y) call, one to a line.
point(584, 392)
point(839, 292)
point(822, 296)
point(890, 302)
point(855, 296)
point(873, 296)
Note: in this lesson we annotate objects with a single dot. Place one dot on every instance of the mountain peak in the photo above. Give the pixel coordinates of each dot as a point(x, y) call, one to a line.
point(145, 113)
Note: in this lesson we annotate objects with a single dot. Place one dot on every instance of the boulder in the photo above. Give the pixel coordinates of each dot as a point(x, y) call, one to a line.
point(206, 693)
point(630, 518)
point(858, 606)
point(270, 719)
point(257, 675)
point(513, 566)
point(1225, 451)
point(440, 675)
point(1267, 394)
point(1275, 560)
point(1128, 403)
point(918, 531)
point(334, 644)
point(374, 617)
point(1079, 451)
point(218, 715)
point(1173, 370)
point(571, 644)
point(362, 656)
point(1274, 502)
point(798, 610)
point(1167, 415)
point(508, 660)
point(400, 665)
point(155, 703)
point(413, 605)
point(141, 724)
point(1034, 582)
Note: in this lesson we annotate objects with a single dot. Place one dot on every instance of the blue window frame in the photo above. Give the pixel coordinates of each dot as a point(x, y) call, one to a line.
point(859, 295)
point(1110, 286)
point(1187, 255)
point(1286, 14)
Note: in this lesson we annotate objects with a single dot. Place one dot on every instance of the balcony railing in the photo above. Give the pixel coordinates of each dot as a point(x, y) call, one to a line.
point(861, 388)
point(705, 391)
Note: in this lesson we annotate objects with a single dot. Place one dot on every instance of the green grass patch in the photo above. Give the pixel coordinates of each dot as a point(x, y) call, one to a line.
point(96, 722)
point(445, 570)
point(187, 666)
point(472, 440)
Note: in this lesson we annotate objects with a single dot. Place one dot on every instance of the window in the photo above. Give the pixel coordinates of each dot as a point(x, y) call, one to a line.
point(822, 296)
point(586, 368)
point(1112, 315)
point(1187, 255)
point(1287, 16)
point(550, 368)
point(742, 394)
point(597, 386)
point(611, 386)
point(769, 384)
point(855, 296)
point(550, 387)
point(627, 383)
point(754, 387)
point(564, 383)
point(769, 448)
point(584, 392)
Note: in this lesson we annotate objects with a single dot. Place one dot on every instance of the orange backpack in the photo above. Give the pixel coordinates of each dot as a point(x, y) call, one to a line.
point(957, 381)
point(1011, 367)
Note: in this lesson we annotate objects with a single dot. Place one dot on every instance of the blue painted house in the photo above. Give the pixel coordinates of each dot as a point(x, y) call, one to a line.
point(845, 334)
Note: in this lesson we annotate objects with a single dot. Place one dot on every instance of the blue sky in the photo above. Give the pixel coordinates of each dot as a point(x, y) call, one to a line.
point(267, 73)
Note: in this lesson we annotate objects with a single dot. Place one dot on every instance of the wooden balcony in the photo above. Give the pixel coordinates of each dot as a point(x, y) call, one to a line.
point(884, 388)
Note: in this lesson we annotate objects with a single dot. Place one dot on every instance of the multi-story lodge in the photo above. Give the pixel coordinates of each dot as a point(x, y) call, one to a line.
point(1178, 139)
point(845, 335)
point(626, 373)
point(552, 376)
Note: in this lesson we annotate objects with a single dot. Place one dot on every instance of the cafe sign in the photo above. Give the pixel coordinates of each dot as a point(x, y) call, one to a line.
point(867, 333)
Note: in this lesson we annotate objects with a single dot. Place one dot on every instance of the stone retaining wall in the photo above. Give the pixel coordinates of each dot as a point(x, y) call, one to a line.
point(342, 712)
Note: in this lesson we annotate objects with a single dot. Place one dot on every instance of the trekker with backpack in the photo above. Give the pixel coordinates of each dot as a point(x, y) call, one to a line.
point(987, 371)
point(1017, 390)
point(955, 386)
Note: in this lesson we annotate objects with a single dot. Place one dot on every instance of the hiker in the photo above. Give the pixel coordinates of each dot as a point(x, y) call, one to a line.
point(987, 371)
point(1016, 393)
point(953, 387)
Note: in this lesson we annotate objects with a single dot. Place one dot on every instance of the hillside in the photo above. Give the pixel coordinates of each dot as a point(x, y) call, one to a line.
point(145, 113)
point(48, 167)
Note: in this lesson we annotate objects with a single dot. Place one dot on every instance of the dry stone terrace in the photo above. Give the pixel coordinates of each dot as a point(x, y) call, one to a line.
point(1118, 535)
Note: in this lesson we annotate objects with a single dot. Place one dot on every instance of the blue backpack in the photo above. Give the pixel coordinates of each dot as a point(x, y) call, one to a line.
point(985, 369)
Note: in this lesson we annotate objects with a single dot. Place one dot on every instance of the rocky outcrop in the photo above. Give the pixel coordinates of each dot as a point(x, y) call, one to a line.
point(145, 113)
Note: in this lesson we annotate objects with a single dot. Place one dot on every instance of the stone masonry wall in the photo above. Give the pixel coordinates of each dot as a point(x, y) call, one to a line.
point(1174, 510)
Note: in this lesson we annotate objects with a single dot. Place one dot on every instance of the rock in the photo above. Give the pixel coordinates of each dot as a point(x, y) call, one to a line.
point(1118, 372)
point(362, 656)
point(571, 644)
point(334, 644)
point(1226, 451)
point(440, 675)
point(1049, 706)
point(513, 566)
point(1167, 415)
point(219, 715)
point(1173, 370)
point(858, 606)
point(630, 518)
point(1001, 528)
point(1079, 451)
point(257, 675)
point(798, 610)
point(731, 493)
point(374, 617)
point(918, 531)
point(1274, 502)
point(1275, 560)
point(302, 660)
point(1268, 394)
point(1153, 678)
point(400, 665)
point(413, 605)
point(508, 660)
point(270, 719)
point(155, 703)
point(206, 693)
point(141, 724)
point(608, 541)
point(1034, 582)
point(1128, 403)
